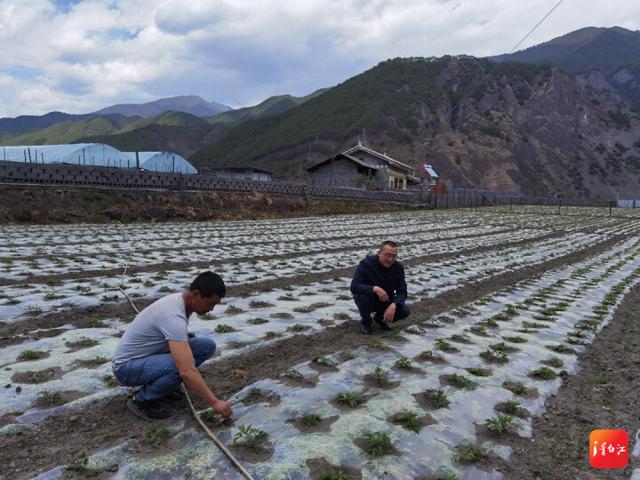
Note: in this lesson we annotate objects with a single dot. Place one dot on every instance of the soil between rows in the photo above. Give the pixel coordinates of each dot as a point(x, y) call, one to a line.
point(559, 448)
point(48, 324)
point(108, 423)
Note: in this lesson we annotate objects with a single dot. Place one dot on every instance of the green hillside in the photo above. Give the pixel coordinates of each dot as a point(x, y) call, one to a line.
point(69, 132)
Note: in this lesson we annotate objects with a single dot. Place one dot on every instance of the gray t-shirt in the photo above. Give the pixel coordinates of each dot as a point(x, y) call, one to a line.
point(151, 330)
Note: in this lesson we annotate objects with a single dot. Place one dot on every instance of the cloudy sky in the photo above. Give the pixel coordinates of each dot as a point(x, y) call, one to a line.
point(81, 55)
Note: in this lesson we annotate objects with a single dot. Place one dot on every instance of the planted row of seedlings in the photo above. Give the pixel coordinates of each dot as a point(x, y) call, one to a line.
point(429, 400)
point(240, 325)
point(20, 300)
point(116, 235)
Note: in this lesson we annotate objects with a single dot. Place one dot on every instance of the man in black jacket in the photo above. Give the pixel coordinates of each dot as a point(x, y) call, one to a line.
point(379, 286)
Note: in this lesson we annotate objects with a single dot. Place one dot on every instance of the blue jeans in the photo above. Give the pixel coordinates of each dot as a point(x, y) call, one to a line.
point(370, 303)
point(158, 374)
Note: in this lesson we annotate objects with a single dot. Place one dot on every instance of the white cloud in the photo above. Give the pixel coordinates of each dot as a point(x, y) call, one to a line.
point(98, 52)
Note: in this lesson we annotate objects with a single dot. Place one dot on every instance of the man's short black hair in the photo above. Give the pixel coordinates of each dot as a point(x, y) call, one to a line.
point(388, 243)
point(209, 283)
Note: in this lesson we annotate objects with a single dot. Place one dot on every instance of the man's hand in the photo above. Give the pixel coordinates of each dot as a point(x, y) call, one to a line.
point(389, 313)
point(382, 295)
point(222, 407)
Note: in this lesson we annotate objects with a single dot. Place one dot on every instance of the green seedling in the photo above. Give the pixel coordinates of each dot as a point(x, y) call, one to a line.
point(294, 374)
point(260, 304)
point(544, 373)
point(50, 398)
point(82, 342)
point(224, 328)
point(164, 289)
point(326, 361)
point(601, 379)
point(561, 348)
point(334, 474)
point(252, 395)
point(257, 321)
point(310, 419)
point(468, 454)
point(442, 344)
point(515, 387)
point(498, 425)
point(494, 356)
point(460, 337)
point(94, 323)
point(479, 372)
point(157, 436)
point(512, 407)
point(80, 465)
point(403, 363)
point(460, 381)
point(250, 436)
point(270, 334)
point(382, 377)
point(297, 327)
point(376, 443)
point(33, 310)
point(408, 421)
point(110, 380)
point(31, 355)
point(436, 398)
point(208, 415)
point(351, 399)
point(515, 339)
point(232, 310)
point(554, 362)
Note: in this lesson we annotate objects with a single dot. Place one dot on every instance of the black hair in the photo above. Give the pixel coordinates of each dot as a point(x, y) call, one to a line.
point(209, 283)
point(388, 243)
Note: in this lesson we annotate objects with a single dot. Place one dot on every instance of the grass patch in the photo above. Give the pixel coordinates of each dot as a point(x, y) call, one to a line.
point(544, 373)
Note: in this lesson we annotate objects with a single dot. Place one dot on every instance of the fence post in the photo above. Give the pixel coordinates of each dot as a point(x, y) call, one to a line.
point(610, 207)
point(559, 205)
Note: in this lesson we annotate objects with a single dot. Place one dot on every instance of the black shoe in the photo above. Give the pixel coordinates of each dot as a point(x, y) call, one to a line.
point(365, 329)
point(174, 397)
point(385, 327)
point(150, 411)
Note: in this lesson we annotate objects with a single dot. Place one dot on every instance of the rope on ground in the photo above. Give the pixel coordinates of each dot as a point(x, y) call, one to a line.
point(209, 433)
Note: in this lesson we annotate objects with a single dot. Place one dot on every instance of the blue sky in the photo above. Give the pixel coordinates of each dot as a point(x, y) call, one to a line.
point(79, 56)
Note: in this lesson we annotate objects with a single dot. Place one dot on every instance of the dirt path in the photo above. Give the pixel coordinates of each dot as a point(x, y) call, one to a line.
point(108, 423)
point(604, 395)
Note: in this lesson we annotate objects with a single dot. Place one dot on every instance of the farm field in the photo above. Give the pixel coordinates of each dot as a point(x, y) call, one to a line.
point(503, 302)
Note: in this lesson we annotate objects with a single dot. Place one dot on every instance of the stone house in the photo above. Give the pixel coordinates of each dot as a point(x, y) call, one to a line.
point(362, 167)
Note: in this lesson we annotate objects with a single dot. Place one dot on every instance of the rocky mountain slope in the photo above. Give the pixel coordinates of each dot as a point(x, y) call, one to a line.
point(507, 126)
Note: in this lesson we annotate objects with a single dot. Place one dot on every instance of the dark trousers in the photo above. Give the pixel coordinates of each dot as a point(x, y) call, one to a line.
point(370, 303)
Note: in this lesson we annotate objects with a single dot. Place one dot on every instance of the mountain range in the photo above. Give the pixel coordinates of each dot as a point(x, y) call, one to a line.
point(559, 117)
